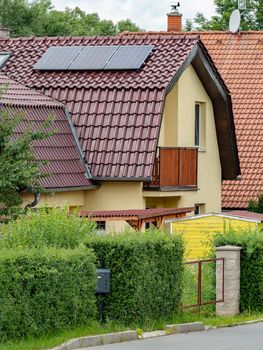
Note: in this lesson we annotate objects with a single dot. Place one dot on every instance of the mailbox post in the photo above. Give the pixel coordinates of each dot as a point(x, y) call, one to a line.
point(103, 287)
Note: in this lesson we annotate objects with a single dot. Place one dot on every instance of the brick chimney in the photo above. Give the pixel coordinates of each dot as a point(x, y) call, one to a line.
point(174, 19)
point(4, 32)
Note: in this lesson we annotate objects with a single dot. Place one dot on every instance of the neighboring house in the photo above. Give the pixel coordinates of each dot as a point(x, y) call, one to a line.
point(239, 59)
point(198, 230)
point(152, 115)
point(62, 151)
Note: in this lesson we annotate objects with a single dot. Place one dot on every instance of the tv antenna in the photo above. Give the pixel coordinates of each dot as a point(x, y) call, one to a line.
point(234, 21)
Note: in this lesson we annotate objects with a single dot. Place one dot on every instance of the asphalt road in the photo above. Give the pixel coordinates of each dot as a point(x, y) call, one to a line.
point(247, 337)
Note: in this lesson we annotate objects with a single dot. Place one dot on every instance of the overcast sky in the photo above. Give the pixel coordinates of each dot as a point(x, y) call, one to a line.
point(148, 14)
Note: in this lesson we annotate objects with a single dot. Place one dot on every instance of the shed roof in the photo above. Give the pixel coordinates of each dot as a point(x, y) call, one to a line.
point(118, 114)
point(65, 168)
point(242, 215)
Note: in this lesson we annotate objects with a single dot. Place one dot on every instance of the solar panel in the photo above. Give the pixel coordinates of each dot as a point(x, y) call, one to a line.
point(3, 58)
point(129, 57)
point(58, 57)
point(93, 58)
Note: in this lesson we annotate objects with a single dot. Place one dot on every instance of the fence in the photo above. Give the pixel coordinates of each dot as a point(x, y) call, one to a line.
point(199, 296)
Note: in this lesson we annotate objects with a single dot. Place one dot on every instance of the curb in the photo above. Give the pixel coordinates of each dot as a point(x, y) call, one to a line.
point(119, 337)
point(96, 340)
point(184, 327)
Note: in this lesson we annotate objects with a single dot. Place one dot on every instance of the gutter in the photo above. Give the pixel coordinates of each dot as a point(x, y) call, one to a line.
point(35, 201)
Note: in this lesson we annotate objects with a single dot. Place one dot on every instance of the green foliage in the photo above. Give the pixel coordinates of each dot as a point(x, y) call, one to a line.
point(53, 227)
point(257, 205)
point(190, 283)
point(251, 295)
point(251, 19)
point(146, 274)
point(18, 168)
point(44, 292)
point(38, 17)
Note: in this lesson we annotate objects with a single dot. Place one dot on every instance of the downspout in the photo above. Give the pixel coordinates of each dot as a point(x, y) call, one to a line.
point(35, 201)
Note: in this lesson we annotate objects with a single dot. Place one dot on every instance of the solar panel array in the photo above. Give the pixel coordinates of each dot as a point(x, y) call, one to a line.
point(94, 57)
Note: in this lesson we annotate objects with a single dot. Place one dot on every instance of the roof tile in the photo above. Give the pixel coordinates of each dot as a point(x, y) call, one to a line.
point(64, 166)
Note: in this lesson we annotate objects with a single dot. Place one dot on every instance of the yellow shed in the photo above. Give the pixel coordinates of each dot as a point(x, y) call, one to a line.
point(196, 230)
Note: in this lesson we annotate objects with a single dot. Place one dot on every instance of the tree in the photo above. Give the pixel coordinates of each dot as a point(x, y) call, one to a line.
point(251, 19)
point(256, 205)
point(19, 169)
point(39, 18)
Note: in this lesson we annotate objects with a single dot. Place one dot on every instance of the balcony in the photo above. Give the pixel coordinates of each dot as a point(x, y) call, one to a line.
point(175, 168)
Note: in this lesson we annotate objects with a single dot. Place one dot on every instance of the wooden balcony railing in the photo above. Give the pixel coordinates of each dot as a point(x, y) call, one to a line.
point(175, 167)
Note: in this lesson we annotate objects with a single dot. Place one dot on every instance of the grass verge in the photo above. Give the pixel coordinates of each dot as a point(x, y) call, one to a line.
point(51, 340)
point(54, 339)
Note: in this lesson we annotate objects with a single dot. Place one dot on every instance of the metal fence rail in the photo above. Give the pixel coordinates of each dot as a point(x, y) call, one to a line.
point(200, 263)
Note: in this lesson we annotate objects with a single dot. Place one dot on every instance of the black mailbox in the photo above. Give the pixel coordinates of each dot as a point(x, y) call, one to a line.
point(103, 281)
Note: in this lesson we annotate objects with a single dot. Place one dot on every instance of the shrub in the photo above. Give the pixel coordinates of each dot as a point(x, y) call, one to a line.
point(47, 291)
point(146, 274)
point(251, 279)
point(53, 227)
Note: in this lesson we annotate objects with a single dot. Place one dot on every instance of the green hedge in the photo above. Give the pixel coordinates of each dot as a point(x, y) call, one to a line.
point(146, 274)
point(46, 227)
point(251, 279)
point(43, 291)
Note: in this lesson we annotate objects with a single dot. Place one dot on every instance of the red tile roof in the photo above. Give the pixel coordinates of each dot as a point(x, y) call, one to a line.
point(117, 114)
point(64, 165)
point(239, 59)
point(139, 213)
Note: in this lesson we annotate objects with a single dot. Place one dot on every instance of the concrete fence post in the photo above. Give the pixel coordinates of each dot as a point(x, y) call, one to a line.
point(231, 292)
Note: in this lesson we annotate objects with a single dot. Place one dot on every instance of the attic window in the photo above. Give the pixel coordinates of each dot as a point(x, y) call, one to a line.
point(3, 58)
point(115, 57)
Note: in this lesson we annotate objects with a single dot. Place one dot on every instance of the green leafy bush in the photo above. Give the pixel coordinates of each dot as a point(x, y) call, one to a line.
point(53, 227)
point(251, 280)
point(45, 291)
point(146, 274)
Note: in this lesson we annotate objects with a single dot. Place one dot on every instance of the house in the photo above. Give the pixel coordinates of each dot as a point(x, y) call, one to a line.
point(151, 113)
point(62, 150)
point(239, 60)
point(198, 230)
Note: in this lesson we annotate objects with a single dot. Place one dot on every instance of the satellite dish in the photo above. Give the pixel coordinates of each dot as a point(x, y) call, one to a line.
point(234, 21)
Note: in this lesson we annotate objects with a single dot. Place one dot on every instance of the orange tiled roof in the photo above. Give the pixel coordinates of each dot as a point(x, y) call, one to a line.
point(239, 59)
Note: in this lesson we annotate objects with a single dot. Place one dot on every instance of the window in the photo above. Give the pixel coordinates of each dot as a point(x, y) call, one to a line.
point(199, 209)
point(200, 125)
point(197, 124)
point(101, 225)
point(3, 58)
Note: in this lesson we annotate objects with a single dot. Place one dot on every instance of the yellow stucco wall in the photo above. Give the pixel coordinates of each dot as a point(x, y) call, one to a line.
point(57, 199)
point(108, 196)
point(178, 131)
point(197, 231)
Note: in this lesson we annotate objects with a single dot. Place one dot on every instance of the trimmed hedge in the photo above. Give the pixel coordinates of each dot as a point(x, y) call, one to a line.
point(146, 274)
point(251, 279)
point(43, 291)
